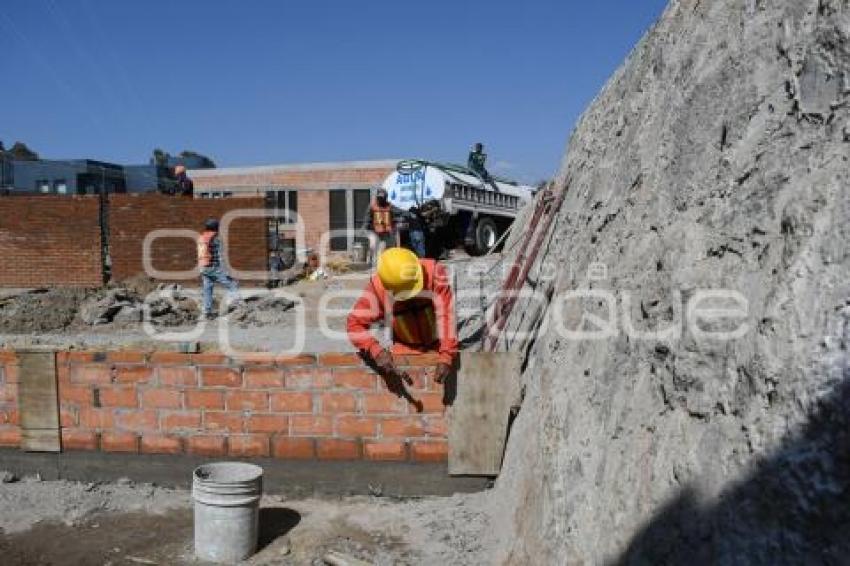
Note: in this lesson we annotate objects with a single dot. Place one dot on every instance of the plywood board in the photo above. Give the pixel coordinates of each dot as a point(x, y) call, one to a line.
point(487, 386)
point(38, 402)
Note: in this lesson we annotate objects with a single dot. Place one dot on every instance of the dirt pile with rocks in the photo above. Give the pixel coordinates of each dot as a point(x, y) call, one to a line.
point(715, 159)
point(125, 305)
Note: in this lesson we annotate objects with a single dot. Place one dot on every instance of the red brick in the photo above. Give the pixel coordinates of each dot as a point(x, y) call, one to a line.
point(206, 445)
point(410, 427)
point(8, 356)
point(162, 399)
point(76, 439)
point(93, 418)
point(182, 420)
point(158, 444)
point(427, 359)
point(133, 374)
point(356, 427)
point(79, 394)
point(119, 442)
point(136, 420)
point(432, 402)
point(385, 451)
point(336, 449)
point(298, 360)
point(308, 378)
point(119, 397)
point(91, 374)
point(293, 448)
point(67, 418)
point(340, 359)
point(170, 358)
point(223, 377)
point(311, 425)
point(210, 359)
point(292, 402)
point(12, 373)
point(126, 357)
point(267, 423)
point(430, 451)
point(436, 426)
point(384, 403)
point(247, 400)
point(335, 403)
point(262, 377)
point(9, 393)
point(229, 422)
point(81, 357)
point(355, 378)
point(177, 375)
point(63, 373)
point(202, 399)
point(248, 445)
point(10, 436)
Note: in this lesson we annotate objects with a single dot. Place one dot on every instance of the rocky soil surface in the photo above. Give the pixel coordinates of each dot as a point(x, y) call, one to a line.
point(715, 159)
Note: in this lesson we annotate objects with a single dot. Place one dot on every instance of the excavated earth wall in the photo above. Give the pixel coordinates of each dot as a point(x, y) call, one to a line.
point(715, 159)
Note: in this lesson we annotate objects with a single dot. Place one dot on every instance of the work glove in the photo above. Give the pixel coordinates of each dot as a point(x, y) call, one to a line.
point(385, 364)
point(441, 372)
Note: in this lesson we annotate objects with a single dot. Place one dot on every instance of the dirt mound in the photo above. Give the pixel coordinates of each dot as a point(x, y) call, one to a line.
point(40, 310)
point(716, 159)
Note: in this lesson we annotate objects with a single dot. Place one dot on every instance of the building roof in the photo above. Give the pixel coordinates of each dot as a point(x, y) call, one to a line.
point(292, 167)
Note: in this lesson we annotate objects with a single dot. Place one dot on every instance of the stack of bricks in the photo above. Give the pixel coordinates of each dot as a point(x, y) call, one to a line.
point(329, 407)
point(50, 241)
point(132, 217)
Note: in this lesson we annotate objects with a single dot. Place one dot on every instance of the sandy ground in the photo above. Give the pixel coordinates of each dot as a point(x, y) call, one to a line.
point(60, 523)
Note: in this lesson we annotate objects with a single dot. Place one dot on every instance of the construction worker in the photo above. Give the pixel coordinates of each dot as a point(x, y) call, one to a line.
point(380, 222)
point(414, 297)
point(212, 268)
point(185, 186)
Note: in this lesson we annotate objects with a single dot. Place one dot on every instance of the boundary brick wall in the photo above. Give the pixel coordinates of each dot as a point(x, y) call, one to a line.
point(48, 241)
point(326, 407)
point(133, 216)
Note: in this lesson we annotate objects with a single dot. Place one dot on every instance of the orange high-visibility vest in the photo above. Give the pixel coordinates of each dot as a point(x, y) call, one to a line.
point(382, 218)
point(205, 252)
point(424, 322)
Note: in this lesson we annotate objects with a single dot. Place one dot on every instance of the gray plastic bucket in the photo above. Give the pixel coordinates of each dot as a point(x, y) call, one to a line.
point(227, 510)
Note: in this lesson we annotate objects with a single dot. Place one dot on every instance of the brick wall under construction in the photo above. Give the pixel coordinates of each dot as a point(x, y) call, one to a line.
point(49, 241)
point(328, 406)
point(133, 217)
point(55, 241)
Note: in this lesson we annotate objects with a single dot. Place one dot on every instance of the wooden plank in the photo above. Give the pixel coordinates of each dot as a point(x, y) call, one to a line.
point(487, 386)
point(38, 402)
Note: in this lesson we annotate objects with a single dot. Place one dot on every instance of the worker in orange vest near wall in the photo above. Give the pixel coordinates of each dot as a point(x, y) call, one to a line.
point(415, 299)
point(380, 222)
point(211, 265)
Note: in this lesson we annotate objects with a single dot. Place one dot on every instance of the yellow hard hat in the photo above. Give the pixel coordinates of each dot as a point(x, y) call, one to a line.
point(401, 273)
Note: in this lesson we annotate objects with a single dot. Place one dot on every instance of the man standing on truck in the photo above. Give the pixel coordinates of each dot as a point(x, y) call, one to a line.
point(212, 268)
point(476, 160)
point(380, 222)
point(414, 296)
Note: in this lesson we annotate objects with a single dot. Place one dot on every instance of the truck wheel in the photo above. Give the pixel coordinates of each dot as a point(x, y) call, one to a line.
point(486, 235)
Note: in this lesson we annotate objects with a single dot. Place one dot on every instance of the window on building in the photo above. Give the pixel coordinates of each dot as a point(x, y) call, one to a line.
point(227, 194)
point(60, 186)
point(338, 218)
point(42, 186)
point(362, 200)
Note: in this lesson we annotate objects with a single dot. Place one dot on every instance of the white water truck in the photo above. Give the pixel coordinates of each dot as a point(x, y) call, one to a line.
point(455, 204)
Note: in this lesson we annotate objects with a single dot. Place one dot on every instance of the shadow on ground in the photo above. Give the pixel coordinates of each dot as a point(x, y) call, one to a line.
point(276, 522)
point(793, 509)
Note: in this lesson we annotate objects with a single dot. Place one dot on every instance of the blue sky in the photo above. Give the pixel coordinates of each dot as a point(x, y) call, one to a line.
point(259, 82)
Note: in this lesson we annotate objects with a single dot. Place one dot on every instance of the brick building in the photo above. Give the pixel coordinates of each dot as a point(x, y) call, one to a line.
point(326, 196)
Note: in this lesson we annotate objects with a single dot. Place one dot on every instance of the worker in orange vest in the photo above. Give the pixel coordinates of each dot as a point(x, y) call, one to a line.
point(414, 297)
point(211, 265)
point(380, 222)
